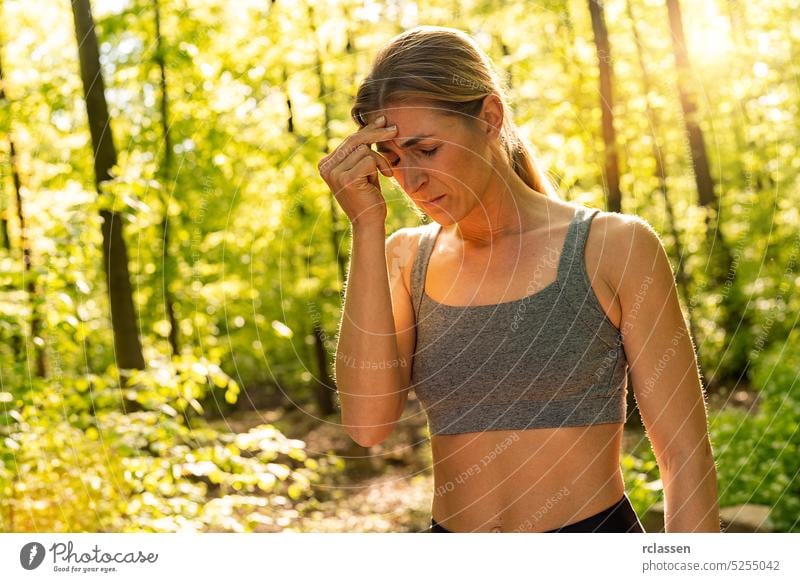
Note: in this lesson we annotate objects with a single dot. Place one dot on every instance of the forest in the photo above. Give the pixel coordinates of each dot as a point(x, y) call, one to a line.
point(173, 266)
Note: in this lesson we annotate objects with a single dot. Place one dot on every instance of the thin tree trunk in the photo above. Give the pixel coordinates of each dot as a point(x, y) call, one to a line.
point(4, 213)
point(606, 104)
point(166, 174)
point(699, 157)
point(325, 388)
point(325, 100)
point(326, 385)
point(681, 276)
point(4, 230)
point(734, 305)
point(127, 346)
point(290, 113)
point(702, 173)
point(24, 243)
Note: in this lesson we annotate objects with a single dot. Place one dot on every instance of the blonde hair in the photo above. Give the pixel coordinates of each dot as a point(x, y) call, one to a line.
point(445, 66)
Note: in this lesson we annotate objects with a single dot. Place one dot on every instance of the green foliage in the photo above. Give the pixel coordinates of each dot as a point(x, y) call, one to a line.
point(66, 468)
point(182, 383)
point(757, 455)
point(757, 463)
point(642, 485)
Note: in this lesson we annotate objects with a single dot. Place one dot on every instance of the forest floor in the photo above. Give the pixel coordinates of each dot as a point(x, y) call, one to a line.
point(387, 488)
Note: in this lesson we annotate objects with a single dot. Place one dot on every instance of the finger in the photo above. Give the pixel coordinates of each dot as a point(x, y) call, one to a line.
point(367, 135)
point(361, 152)
point(377, 133)
point(383, 165)
point(351, 160)
point(365, 167)
point(371, 133)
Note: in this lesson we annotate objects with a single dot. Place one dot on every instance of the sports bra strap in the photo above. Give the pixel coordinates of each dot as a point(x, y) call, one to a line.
point(420, 267)
point(571, 261)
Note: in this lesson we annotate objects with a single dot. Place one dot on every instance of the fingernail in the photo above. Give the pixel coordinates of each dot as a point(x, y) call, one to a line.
point(381, 119)
point(391, 127)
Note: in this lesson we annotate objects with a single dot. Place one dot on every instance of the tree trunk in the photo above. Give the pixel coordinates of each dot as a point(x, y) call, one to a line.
point(734, 304)
point(127, 346)
point(325, 100)
point(4, 229)
point(326, 385)
point(702, 173)
point(681, 275)
point(290, 112)
point(30, 283)
point(166, 173)
point(602, 45)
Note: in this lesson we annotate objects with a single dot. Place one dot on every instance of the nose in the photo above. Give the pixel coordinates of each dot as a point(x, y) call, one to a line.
point(413, 177)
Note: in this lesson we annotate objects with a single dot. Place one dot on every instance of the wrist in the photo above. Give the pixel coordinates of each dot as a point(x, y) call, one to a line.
point(369, 229)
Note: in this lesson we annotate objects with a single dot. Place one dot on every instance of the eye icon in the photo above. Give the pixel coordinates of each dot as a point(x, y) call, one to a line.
point(31, 555)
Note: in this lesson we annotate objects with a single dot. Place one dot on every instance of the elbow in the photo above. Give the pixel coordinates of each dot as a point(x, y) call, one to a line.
point(369, 435)
point(366, 440)
point(372, 426)
point(687, 458)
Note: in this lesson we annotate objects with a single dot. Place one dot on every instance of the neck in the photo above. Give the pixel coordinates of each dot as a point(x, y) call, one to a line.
point(507, 206)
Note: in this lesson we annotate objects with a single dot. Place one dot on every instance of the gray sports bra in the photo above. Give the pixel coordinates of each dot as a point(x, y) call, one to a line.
point(547, 360)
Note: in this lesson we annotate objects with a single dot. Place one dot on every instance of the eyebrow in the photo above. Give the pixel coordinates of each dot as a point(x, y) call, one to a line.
point(406, 144)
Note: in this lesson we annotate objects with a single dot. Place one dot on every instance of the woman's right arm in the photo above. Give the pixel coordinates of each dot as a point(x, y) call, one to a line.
point(372, 361)
point(376, 336)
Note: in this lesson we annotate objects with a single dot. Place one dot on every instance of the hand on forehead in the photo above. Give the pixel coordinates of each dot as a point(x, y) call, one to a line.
point(414, 125)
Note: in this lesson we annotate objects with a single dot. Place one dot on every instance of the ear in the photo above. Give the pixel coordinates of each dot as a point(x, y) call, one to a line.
point(492, 115)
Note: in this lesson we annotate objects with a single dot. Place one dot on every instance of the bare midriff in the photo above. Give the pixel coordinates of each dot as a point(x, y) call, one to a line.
point(525, 480)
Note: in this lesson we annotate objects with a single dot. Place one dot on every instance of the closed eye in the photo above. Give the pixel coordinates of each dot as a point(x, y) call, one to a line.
point(427, 153)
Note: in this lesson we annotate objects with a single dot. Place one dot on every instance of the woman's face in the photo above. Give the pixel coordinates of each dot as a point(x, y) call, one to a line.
point(442, 162)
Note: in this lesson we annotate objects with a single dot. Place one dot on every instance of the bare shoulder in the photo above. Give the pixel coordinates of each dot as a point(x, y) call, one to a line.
point(626, 248)
point(401, 248)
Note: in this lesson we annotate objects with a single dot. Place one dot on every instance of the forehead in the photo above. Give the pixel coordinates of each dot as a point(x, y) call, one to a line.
point(415, 122)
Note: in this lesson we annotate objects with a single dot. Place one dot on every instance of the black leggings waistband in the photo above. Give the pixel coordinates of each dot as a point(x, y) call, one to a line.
point(619, 518)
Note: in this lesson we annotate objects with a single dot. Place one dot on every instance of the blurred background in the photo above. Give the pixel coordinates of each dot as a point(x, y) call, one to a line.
point(173, 265)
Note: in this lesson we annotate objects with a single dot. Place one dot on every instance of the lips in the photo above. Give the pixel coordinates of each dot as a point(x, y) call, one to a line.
point(434, 200)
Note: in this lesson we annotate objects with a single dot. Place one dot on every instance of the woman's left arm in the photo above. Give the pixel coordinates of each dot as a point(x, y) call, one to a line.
point(666, 380)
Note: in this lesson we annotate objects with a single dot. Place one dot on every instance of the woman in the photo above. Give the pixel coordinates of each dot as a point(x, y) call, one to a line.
point(514, 315)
